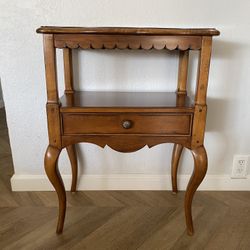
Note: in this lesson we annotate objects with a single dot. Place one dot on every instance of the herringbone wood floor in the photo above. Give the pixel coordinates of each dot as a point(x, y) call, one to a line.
point(118, 220)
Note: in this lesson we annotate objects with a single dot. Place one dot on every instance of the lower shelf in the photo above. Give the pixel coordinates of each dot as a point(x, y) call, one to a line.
point(92, 101)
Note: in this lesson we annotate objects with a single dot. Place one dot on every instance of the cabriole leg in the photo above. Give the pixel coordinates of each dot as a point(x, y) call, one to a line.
point(199, 172)
point(71, 150)
point(51, 168)
point(177, 150)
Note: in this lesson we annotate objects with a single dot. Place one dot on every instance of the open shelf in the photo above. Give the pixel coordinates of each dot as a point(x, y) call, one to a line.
point(92, 101)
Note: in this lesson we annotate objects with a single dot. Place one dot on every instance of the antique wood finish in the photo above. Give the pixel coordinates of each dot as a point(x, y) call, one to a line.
point(92, 101)
point(126, 143)
point(71, 150)
point(200, 169)
point(68, 71)
point(126, 121)
point(51, 168)
point(88, 41)
point(181, 91)
point(50, 68)
point(128, 31)
point(203, 71)
point(201, 93)
point(183, 72)
point(69, 89)
point(176, 155)
point(53, 115)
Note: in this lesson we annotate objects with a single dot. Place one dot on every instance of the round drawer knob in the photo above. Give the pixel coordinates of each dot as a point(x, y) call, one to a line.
point(127, 124)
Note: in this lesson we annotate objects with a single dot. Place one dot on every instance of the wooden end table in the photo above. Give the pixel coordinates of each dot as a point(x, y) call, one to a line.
point(126, 121)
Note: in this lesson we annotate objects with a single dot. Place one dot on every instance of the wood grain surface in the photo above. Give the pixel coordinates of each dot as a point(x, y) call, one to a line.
point(133, 100)
point(128, 31)
point(113, 123)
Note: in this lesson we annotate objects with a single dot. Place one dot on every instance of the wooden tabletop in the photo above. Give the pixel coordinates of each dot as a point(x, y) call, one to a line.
point(129, 31)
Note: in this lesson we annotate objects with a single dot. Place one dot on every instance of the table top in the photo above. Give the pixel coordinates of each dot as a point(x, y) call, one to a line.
point(129, 31)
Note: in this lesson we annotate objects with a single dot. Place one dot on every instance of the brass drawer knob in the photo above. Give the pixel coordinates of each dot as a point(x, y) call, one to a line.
point(127, 124)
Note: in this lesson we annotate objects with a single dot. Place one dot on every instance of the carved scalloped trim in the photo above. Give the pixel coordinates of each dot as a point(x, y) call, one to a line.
point(134, 43)
point(124, 143)
point(128, 46)
point(126, 150)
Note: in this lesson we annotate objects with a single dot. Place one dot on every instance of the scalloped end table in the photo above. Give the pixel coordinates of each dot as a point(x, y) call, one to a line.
point(126, 121)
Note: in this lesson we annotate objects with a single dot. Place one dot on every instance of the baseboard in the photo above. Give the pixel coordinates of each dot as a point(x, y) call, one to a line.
point(1, 104)
point(129, 182)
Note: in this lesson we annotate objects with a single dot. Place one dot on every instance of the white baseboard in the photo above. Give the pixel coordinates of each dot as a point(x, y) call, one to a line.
point(1, 104)
point(129, 182)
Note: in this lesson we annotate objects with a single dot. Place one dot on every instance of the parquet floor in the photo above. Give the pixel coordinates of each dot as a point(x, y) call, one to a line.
point(118, 219)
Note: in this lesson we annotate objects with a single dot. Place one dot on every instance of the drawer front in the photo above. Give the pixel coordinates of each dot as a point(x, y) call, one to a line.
point(127, 123)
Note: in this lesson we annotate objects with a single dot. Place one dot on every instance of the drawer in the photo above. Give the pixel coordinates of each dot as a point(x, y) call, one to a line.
point(127, 123)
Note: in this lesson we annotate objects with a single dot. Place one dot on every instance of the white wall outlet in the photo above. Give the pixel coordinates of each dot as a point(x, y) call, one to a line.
point(240, 164)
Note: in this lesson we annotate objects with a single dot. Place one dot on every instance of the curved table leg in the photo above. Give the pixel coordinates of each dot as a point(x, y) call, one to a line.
point(50, 163)
point(71, 150)
point(200, 169)
point(177, 150)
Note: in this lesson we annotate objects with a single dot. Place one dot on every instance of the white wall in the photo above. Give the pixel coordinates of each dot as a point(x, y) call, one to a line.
point(23, 81)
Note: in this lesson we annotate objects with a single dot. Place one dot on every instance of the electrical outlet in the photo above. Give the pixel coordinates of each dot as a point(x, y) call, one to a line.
point(240, 164)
